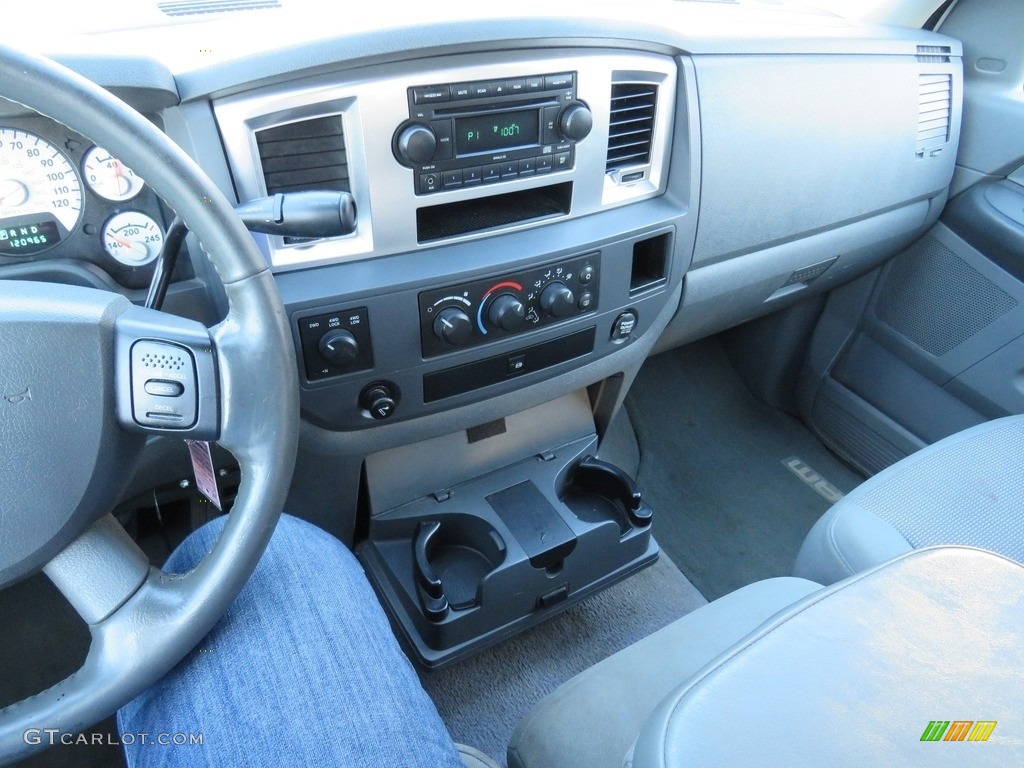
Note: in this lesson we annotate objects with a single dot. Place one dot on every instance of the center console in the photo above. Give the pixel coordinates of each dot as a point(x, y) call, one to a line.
point(518, 248)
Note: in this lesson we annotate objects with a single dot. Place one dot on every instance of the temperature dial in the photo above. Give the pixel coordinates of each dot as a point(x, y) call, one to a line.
point(507, 312)
point(453, 325)
point(132, 238)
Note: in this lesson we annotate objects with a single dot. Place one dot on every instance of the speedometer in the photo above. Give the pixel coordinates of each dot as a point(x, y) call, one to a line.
point(40, 194)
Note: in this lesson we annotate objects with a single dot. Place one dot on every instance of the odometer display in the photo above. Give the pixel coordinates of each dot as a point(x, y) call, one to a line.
point(40, 190)
point(29, 238)
point(490, 133)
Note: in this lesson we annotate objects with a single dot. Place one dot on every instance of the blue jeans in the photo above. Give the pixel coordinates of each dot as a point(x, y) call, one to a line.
point(303, 670)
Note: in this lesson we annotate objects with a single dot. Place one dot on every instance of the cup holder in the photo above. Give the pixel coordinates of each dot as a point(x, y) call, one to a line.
point(451, 557)
point(599, 491)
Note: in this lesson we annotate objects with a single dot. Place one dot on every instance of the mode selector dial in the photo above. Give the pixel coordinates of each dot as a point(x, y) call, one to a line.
point(507, 312)
point(415, 144)
point(453, 326)
point(557, 299)
point(339, 347)
point(575, 121)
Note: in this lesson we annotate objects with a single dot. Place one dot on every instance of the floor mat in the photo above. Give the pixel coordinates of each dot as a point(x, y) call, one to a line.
point(732, 480)
point(483, 698)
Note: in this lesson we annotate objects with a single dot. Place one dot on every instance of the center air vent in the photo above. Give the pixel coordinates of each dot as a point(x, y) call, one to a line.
point(309, 154)
point(933, 113)
point(631, 128)
point(198, 7)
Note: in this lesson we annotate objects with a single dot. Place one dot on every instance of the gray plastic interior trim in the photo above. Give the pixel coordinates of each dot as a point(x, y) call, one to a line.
point(373, 104)
point(99, 570)
point(406, 472)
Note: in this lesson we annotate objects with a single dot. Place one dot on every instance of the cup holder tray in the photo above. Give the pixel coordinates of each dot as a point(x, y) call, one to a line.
point(506, 550)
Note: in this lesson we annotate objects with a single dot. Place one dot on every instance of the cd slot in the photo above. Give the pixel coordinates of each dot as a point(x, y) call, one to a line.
point(437, 222)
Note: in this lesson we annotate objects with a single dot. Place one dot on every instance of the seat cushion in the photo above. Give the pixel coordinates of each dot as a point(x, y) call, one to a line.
point(865, 673)
point(592, 719)
point(965, 489)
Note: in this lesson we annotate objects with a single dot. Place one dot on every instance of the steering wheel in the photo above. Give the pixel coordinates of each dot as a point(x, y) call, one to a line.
point(73, 415)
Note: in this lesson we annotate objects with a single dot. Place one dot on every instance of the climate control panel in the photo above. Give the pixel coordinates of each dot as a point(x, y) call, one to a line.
point(471, 314)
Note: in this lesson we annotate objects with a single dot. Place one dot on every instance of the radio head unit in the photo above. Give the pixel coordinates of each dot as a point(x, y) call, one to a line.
point(461, 134)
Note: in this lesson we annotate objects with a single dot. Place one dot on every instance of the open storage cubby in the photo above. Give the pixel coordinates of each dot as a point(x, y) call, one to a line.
point(492, 556)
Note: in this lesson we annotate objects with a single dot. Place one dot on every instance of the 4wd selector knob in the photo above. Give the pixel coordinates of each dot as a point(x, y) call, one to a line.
point(339, 347)
point(453, 325)
point(557, 299)
point(507, 312)
point(415, 144)
point(575, 121)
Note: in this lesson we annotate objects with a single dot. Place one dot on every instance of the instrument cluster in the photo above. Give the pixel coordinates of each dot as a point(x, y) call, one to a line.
point(62, 197)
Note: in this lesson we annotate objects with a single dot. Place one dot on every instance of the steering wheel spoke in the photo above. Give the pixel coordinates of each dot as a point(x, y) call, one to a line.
point(99, 570)
point(166, 375)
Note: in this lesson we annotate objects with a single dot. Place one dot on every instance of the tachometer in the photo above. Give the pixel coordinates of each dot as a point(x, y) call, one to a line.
point(132, 238)
point(40, 194)
point(108, 177)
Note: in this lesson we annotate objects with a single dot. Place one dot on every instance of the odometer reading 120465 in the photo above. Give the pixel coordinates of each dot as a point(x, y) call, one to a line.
point(489, 133)
point(40, 193)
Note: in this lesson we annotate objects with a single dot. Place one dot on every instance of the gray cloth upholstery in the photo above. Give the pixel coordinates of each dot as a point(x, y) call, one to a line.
point(854, 675)
point(473, 758)
point(965, 489)
point(592, 719)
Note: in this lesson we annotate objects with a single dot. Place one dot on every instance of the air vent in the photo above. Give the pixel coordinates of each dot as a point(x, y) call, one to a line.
point(309, 154)
point(631, 128)
point(199, 7)
point(933, 114)
point(934, 54)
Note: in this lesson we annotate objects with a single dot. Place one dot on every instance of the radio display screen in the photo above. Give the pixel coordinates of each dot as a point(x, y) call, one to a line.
point(488, 133)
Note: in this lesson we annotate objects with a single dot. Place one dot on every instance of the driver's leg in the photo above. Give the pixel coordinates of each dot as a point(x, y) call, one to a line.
point(303, 670)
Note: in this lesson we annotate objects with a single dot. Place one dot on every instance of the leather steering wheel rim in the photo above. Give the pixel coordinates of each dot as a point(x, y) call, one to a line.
point(156, 623)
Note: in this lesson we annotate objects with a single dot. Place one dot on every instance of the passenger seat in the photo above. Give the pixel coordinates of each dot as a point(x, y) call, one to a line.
point(965, 489)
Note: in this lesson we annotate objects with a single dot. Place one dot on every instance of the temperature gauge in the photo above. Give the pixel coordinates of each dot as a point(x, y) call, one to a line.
point(132, 238)
point(108, 177)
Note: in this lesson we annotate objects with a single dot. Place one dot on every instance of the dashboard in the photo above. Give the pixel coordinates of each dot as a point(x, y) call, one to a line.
point(544, 198)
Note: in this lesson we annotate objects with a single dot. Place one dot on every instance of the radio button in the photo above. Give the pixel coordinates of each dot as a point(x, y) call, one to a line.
point(527, 166)
point(557, 82)
point(563, 161)
point(452, 179)
point(429, 182)
point(462, 91)
point(535, 83)
point(479, 90)
point(510, 170)
point(431, 94)
point(445, 144)
point(549, 125)
point(471, 175)
point(543, 163)
point(517, 86)
point(492, 172)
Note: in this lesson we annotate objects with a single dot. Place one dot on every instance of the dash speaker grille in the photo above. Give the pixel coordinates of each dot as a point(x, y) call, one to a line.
point(936, 299)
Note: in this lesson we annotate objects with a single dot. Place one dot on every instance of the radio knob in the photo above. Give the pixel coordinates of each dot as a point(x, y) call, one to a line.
point(557, 299)
point(339, 347)
point(415, 144)
point(575, 121)
point(507, 312)
point(453, 326)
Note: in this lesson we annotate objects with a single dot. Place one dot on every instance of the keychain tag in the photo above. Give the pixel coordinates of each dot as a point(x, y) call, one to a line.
point(202, 466)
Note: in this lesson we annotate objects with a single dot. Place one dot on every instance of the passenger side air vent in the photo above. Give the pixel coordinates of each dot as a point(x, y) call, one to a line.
point(631, 126)
point(309, 154)
point(199, 7)
point(934, 54)
point(934, 110)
